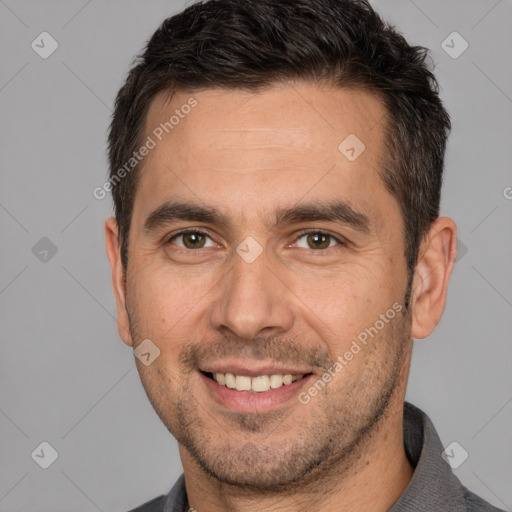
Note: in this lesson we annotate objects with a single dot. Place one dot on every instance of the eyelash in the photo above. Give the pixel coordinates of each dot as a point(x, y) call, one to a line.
point(340, 241)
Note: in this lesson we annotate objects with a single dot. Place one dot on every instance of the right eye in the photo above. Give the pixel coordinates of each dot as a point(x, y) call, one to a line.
point(190, 239)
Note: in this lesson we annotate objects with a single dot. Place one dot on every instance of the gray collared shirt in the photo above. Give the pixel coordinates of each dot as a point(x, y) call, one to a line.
point(433, 486)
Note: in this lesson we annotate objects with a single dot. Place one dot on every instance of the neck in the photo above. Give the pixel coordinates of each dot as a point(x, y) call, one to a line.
point(373, 479)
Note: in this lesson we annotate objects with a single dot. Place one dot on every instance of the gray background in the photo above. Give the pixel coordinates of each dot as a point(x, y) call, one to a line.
point(65, 376)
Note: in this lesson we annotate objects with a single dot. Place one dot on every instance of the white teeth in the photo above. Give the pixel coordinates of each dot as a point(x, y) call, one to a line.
point(243, 383)
point(230, 381)
point(261, 383)
point(276, 381)
point(257, 384)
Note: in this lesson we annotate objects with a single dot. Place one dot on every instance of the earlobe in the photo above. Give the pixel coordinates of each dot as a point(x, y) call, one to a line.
point(432, 274)
point(118, 279)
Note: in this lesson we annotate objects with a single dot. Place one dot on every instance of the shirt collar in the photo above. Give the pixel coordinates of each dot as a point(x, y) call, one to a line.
point(433, 485)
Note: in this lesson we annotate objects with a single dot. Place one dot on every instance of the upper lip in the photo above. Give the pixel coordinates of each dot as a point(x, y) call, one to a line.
point(253, 369)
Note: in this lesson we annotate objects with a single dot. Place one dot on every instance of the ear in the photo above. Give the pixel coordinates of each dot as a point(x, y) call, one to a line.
point(118, 279)
point(436, 259)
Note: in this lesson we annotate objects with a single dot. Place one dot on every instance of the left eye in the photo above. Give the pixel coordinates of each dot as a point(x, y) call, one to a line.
point(318, 240)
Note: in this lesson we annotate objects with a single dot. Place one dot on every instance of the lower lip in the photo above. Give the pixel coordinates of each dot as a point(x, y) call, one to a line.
point(244, 401)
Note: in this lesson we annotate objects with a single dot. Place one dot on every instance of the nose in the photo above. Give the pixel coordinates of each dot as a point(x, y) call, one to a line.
point(253, 301)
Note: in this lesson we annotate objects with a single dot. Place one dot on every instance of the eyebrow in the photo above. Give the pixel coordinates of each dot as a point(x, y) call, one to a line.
point(338, 211)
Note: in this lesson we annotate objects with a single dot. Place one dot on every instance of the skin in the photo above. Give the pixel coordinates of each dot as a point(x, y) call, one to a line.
point(248, 154)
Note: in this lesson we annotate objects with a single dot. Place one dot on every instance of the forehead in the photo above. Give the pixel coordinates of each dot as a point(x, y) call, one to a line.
point(262, 148)
point(299, 118)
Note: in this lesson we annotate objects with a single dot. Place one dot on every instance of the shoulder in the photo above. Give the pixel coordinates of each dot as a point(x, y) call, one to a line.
point(155, 505)
point(434, 485)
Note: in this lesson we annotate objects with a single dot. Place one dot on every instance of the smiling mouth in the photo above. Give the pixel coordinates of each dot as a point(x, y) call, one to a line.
point(258, 384)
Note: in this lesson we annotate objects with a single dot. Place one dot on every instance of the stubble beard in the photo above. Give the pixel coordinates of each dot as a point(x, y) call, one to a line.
point(258, 454)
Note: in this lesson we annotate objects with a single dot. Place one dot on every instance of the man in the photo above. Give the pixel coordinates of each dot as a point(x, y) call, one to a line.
point(276, 169)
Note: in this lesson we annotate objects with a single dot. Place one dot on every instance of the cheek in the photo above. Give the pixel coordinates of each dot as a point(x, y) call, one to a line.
point(168, 306)
point(338, 305)
point(161, 292)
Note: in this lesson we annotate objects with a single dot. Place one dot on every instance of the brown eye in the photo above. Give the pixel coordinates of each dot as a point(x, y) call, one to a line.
point(318, 240)
point(190, 239)
point(193, 240)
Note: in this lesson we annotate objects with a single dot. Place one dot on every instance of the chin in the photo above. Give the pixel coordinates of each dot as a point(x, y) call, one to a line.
point(263, 461)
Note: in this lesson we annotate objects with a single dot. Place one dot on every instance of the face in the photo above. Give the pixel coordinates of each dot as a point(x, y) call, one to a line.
point(292, 268)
